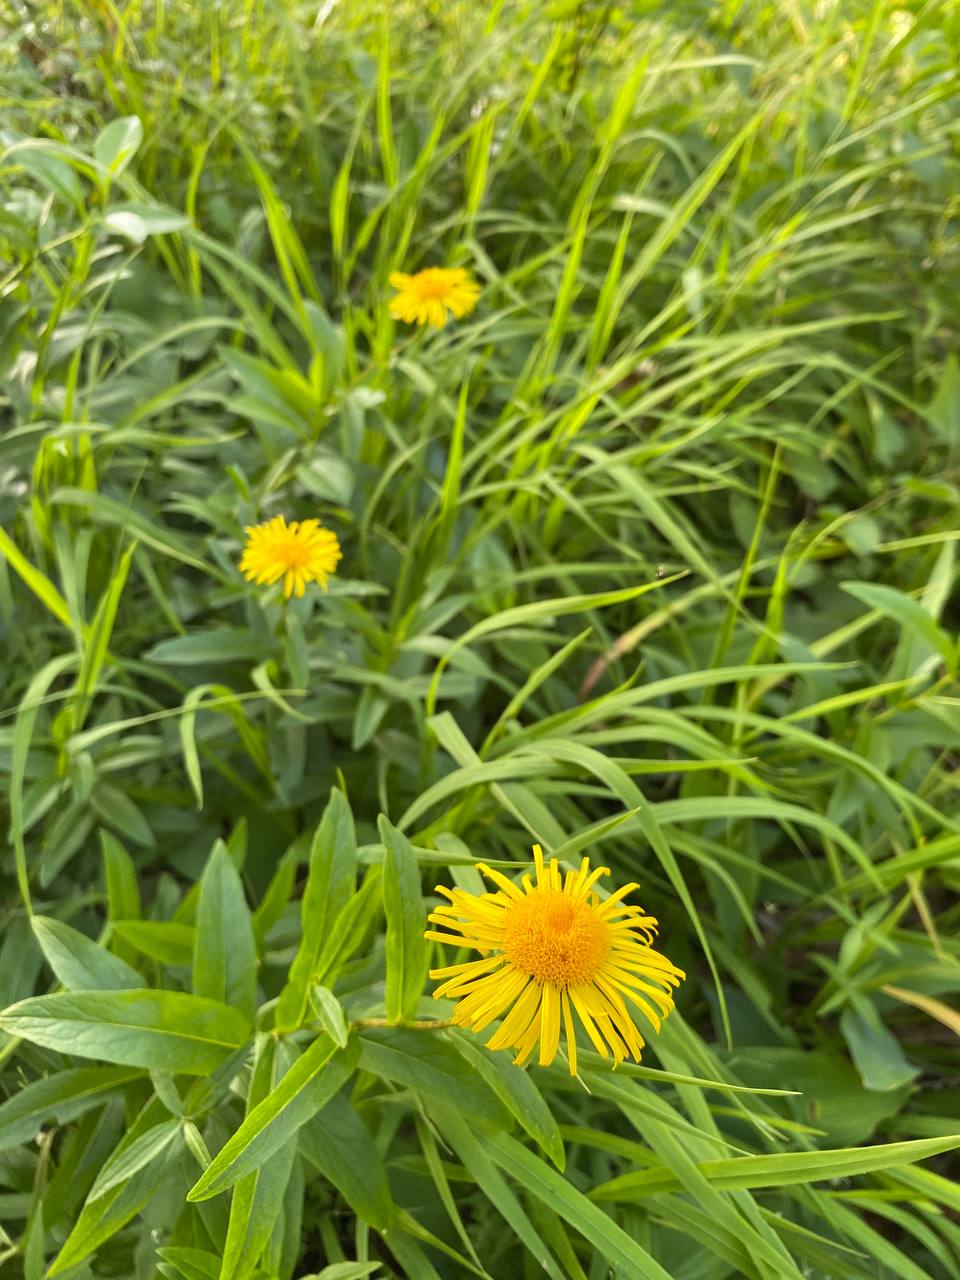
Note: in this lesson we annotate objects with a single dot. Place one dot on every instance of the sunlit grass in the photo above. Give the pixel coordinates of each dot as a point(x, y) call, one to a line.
point(650, 556)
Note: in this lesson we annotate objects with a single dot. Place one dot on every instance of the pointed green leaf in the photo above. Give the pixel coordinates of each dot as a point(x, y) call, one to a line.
point(330, 884)
point(310, 1082)
point(349, 928)
point(123, 895)
point(181, 1263)
point(224, 957)
point(423, 1060)
point(162, 940)
point(141, 1152)
point(330, 1014)
point(102, 1218)
point(60, 1097)
point(337, 1142)
point(785, 1169)
point(908, 614)
point(117, 144)
point(471, 1151)
point(610, 1241)
point(407, 951)
point(132, 1028)
point(257, 1198)
point(98, 637)
point(875, 1052)
point(515, 1089)
point(78, 962)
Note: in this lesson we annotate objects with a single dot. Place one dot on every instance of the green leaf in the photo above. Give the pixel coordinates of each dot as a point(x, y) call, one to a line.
point(406, 948)
point(257, 1198)
point(166, 1091)
point(256, 1203)
point(33, 698)
point(151, 220)
point(875, 1052)
point(349, 928)
point(141, 1152)
point(337, 1142)
point(41, 162)
point(944, 409)
point(213, 647)
point(278, 893)
point(102, 1218)
point(472, 1152)
point(330, 1014)
point(537, 611)
point(39, 583)
point(117, 144)
point(833, 1100)
point(330, 884)
point(426, 1062)
point(123, 895)
point(117, 809)
point(78, 962)
point(113, 511)
point(786, 1169)
point(181, 1263)
point(515, 1089)
point(162, 940)
point(346, 1271)
point(908, 613)
point(610, 1241)
point(98, 637)
point(310, 1082)
point(371, 707)
point(132, 1028)
point(225, 956)
point(60, 1097)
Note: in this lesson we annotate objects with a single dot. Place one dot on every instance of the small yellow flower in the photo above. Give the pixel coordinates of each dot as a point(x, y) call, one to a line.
point(298, 553)
point(548, 950)
point(427, 297)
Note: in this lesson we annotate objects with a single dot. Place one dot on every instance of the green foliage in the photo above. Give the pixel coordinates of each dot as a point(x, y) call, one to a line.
point(652, 557)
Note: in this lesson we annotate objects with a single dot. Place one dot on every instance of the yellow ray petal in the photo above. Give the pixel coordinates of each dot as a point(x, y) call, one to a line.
point(549, 1024)
point(570, 1033)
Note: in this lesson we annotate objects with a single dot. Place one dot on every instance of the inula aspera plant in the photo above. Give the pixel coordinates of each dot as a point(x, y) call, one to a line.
point(432, 431)
point(552, 949)
point(296, 554)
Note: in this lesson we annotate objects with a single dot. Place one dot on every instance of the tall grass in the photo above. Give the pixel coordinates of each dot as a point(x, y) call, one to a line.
point(652, 557)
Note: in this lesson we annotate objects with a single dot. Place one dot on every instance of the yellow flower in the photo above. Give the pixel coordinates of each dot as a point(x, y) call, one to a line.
point(551, 949)
point(298, 553)
point(427, 297)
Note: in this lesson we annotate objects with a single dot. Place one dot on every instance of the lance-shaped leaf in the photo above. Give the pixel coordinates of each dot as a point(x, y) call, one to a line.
point(330, 883)
point(406, 919)
point(132, 1028)
point(311, 1082)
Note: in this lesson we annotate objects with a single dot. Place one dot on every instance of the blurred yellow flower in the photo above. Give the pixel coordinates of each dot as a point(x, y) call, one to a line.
point(300, 552)
point(548, 950)
point(425, 298)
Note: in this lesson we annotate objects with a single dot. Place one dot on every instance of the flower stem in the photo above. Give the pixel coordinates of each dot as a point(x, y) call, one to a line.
point(413, 1026)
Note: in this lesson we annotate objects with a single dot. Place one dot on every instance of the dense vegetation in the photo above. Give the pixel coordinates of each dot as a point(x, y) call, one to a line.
point(652, 557)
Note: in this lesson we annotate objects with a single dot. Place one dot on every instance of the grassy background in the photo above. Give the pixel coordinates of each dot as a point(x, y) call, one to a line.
point(653, 557)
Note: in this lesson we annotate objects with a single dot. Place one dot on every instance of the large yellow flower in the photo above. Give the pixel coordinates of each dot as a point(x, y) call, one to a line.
point(427, 297)
point(300, 552)
point(550, 949)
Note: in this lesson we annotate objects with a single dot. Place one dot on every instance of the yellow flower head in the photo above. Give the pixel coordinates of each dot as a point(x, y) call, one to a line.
point(427, 297)
point(550, 949)
point(298, 553)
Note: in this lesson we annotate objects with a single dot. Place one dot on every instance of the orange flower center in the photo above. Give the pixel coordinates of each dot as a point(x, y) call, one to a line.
point(294, 551)
point(430, 285)
point(555, 938)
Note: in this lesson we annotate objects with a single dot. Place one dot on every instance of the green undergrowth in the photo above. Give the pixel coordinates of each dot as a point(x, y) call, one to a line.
point(652, 557)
